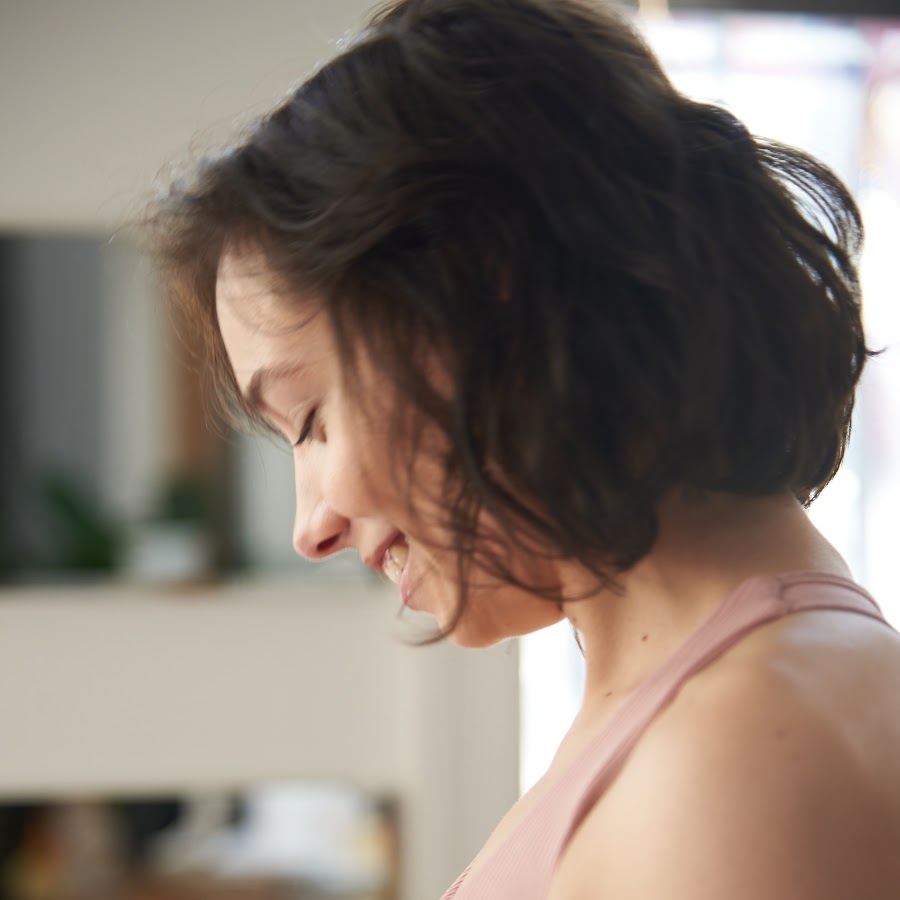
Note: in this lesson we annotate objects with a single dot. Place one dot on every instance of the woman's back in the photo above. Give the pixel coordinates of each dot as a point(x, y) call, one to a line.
point(788, 684)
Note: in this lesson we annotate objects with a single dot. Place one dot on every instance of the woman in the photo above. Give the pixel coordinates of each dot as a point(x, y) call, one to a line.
point(552, 341)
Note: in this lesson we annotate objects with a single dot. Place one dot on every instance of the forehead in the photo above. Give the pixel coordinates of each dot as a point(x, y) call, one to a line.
point(259, 327)
point(244, 290)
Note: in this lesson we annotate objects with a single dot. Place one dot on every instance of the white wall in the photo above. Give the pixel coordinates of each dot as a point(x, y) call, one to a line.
point(120, 690)
point(97, 95)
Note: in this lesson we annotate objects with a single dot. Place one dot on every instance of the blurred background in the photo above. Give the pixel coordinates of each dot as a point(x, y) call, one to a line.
point(187, 709)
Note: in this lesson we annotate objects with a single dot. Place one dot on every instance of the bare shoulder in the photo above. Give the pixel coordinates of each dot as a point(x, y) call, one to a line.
point(775, 773)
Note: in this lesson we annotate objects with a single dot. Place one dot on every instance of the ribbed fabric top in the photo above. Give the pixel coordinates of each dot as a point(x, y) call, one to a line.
point(522, 865)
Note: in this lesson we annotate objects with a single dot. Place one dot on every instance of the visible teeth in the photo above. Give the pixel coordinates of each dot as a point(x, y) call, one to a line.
point(391, 569)
point(395, 559)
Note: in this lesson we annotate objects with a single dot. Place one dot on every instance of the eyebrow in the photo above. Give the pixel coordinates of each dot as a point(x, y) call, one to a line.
point(260, 380)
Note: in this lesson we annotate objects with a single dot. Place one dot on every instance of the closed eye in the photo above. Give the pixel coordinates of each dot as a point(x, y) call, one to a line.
point(306, 431)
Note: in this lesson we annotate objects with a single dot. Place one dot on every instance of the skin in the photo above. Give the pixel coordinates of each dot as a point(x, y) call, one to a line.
point(798, 720)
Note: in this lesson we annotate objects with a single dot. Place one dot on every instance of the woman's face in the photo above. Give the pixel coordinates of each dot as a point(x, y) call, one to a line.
point(346, 493)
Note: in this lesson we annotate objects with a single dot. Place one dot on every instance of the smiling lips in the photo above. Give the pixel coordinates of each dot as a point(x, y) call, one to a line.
point(395, 559)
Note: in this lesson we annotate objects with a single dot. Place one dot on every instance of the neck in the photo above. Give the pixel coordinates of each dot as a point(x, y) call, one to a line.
point(704, 550)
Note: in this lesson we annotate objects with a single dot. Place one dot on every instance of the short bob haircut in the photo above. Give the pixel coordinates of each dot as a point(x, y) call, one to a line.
point(630, 293)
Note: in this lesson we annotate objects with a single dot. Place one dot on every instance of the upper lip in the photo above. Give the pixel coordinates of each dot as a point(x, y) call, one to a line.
point(375, 560)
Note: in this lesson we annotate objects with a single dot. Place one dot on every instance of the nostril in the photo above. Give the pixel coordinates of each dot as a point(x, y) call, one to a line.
point(327, 544)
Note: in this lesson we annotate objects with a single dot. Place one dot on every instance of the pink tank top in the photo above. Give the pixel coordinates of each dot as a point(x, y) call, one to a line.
point(522, 865)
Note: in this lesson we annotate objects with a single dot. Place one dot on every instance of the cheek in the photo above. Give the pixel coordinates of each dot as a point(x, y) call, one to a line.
point(347, 485)
point(354, 479)
point(363, 474)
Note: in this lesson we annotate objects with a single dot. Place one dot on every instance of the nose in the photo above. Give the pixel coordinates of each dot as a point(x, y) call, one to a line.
point(319, 531)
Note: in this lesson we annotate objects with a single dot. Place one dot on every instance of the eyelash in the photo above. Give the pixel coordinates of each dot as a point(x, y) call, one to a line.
point(306, 431)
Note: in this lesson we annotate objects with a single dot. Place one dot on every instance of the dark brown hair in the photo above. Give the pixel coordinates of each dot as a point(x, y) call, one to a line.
point(630, 292)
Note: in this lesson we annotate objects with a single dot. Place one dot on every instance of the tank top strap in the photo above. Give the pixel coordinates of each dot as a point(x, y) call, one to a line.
point(754, 603)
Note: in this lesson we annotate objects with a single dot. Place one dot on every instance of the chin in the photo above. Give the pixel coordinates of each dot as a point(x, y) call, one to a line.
point(474, 638)
point(471, 631)
point(493, 616)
